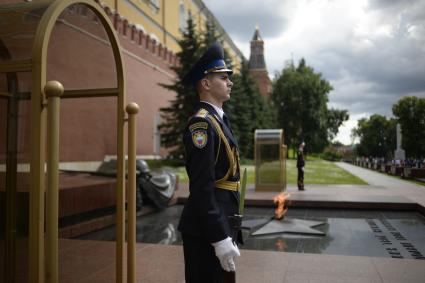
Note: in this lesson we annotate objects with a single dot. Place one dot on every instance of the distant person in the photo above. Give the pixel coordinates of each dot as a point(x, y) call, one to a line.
point(300, 166)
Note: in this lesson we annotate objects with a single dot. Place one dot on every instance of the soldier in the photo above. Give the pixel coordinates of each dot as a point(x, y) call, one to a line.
point(212, 164)
point(300, 166)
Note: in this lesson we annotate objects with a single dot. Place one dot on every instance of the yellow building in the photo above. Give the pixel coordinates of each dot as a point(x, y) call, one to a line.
point(164, 20)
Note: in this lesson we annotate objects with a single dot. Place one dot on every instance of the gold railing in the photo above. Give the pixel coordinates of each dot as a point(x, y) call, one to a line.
point(53, 91)
point(42, 251)
point(131, 110)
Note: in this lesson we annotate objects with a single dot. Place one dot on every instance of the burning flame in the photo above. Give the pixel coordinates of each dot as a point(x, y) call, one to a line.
point(281, 208)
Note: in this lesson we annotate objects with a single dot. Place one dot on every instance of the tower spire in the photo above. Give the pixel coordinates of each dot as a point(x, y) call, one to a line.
point(257, 64)
point(257, 33)
point(256, 59)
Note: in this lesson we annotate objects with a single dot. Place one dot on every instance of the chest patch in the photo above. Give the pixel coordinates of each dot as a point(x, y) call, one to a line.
point(200, 138)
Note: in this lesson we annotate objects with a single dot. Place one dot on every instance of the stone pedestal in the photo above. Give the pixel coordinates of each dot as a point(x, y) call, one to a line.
point(399, 154)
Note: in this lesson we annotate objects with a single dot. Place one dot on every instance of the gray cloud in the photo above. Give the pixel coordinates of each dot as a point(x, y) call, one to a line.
point(384, 80)
point(240, 17)
point(372, 58)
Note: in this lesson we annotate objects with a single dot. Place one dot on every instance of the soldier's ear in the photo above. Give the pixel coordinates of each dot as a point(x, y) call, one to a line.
point(205, 83)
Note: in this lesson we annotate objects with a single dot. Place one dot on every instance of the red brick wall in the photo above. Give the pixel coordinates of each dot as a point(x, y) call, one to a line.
point(262, 80)
point(79, 57)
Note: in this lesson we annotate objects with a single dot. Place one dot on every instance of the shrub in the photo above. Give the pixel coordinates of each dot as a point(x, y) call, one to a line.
point(331, 155)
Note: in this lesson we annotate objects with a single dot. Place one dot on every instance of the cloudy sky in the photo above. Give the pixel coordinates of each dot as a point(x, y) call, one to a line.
point(372, 52)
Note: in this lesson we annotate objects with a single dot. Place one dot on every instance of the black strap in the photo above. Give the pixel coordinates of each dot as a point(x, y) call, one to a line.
point(227, 123)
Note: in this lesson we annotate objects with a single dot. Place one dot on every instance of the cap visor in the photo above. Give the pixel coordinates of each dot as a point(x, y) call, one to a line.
point(222, 71)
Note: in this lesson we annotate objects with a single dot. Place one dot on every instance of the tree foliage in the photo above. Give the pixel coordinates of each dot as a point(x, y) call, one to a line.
point(176, 115)
point(248, 110)
point(410, 113)
point(335, 119)
point(301, 95)
point(209, 36)
point(377, 136)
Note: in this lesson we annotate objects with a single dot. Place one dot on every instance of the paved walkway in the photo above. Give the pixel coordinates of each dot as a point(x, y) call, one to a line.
point(393, 185)
point(378, 179)
point(382, 192)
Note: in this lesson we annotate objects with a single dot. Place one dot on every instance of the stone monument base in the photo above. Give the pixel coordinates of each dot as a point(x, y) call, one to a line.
point(287, 225)
point(399, 154)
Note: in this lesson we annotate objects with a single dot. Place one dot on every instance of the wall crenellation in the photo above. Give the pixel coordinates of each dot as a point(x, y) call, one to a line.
point(129, 31)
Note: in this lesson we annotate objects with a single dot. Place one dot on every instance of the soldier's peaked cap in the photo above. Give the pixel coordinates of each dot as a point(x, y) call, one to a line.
point(212, 61)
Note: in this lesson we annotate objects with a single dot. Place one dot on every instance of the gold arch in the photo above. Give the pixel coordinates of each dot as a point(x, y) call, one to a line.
point(38, 134)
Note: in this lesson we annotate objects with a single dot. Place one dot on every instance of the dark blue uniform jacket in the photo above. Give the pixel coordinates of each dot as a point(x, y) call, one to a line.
point(207, 209)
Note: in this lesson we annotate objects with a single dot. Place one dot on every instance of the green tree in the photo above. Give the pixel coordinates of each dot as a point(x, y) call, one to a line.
point(248, 110)
point(210, 35)
point(410, 113)
point(335, 119)
point(176, 115)
point(300, 96)
point(237, 109)
point(377, 136)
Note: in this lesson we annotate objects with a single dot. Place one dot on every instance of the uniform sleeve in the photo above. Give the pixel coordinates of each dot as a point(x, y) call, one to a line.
point(199, 141)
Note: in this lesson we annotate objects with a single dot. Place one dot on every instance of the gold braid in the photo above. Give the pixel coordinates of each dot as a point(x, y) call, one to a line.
point(229, 151)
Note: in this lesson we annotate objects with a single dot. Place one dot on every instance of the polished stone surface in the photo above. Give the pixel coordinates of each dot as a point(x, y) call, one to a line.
point(93, 262)
point(291, 226)
point(304, 259)
point(348, 232)
point(156, 228)
point(254, 224)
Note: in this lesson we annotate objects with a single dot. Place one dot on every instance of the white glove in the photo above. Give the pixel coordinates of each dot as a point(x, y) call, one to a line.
point(302, 168)
point(225, 250)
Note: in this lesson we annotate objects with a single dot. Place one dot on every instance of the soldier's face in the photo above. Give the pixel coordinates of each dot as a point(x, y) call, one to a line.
point(220, 86)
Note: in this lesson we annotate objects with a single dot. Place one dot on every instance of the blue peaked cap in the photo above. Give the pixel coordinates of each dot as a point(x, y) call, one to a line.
point(212, 61)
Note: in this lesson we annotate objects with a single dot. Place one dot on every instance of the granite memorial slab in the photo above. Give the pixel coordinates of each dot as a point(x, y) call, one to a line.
point(293, 226)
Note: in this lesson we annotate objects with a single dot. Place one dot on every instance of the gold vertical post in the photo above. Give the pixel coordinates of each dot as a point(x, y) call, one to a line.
point(11, 181)
point(132, 109)
point(53, 91)
point(120, 194)
point(38, 63)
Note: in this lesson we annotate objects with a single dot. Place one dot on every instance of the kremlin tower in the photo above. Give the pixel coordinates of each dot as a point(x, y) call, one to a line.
point(257, 65)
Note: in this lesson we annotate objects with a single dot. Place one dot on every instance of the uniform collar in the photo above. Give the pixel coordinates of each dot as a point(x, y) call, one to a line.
point(214, 110)
point(219, 110)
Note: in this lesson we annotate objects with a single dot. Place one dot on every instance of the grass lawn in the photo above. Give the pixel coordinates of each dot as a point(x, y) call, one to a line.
point(317, 171)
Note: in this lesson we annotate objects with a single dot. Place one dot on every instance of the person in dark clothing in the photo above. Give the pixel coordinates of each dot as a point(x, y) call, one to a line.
point(212, 164)
point(300, 166)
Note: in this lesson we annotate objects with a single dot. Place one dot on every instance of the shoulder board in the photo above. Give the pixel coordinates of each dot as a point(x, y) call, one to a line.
point(198, 125)
point(202, 113)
